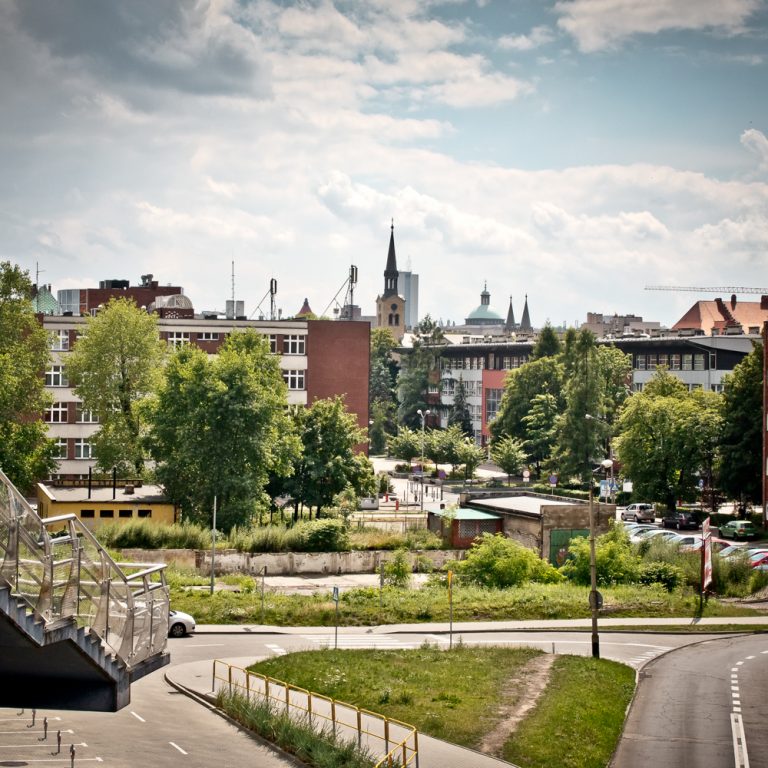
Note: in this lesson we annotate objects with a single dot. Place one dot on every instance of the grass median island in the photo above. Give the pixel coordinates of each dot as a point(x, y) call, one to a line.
point(465, 694)
point(368, 607)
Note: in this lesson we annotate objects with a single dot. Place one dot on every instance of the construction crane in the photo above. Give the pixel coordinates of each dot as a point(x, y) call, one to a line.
point(724, 289)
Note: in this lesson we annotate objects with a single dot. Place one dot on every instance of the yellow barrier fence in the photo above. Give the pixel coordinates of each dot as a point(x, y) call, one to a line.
point(399, 742)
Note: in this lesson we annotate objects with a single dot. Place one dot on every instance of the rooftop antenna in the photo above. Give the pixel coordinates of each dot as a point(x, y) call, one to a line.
point(349, 288)
point(271, 292)
point(37, 273)
point(233, 283)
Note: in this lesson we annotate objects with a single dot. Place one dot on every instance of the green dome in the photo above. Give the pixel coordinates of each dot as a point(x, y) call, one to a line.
point(484, 314)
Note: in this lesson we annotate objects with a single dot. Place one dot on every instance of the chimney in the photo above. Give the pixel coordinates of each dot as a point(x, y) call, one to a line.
point(764, 302)
point(128, 489)
point(733, 301)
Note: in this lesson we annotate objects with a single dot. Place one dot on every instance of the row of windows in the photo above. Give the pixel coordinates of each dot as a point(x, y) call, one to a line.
point(83, 448)
point(293, 344)
point(110, 513)
point(58, 413)
point(495, 362)
point(471, 388)
point(639, 385)
point(492, 403)
point(674, 362)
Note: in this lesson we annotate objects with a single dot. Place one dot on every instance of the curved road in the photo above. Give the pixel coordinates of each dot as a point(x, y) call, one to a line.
point(702, 707)
point(162, 727)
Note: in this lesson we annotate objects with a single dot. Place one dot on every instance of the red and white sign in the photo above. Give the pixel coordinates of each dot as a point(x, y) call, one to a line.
point(706, 555)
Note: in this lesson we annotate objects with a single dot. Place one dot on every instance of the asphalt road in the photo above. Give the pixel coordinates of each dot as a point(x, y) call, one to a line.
point(704, 707)
point(164, 728)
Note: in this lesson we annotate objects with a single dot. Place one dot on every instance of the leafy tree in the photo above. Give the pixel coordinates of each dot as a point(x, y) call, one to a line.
point(415, 375)
point(508, 453)
point(615, 559)
point(668, 438)
point(470, 455)
point(741, 444)
point(460, 411)
point(543, 376)
point(547, 345)
point(113, 368)
point(383, 397)
point(328, 464)
point(541, 428)
point(26, 454)
point(498, 562)
point(443, 445)
point(219, 426)
point(406, 444)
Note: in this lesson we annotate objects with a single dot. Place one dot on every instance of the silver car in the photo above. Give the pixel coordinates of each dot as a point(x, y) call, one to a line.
point(639, 512)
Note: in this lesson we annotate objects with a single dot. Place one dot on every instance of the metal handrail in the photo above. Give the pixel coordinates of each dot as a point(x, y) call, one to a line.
point(68, 575)
point(303, 704)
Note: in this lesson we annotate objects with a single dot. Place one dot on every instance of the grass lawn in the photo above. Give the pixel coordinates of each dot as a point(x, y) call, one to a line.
point(367, 607)
point(458, 695)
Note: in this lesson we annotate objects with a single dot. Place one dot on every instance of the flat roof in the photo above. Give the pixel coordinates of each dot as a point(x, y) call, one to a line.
point(141, 495)
point(465, 513)
point(530, 505)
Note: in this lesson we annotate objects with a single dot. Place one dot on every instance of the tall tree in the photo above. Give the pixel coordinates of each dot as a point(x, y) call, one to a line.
point(113, 368)
point(26, 454)
point(419, 366)
point(508, 453)
point(219, 426)
point(541, 430)
point(328, 462)
point(460, 415)
point(383, 396)
point(741, 445)
point(547, 345)
point(406, 444)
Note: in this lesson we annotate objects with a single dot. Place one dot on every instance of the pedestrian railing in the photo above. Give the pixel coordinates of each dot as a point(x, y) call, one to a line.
point(61, 572)
point(396, 742)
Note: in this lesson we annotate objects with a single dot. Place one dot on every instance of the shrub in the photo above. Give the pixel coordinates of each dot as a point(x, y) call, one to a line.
point(323, 535)
point(757, 581)
point(615, 560)
point(397, 571)
point(666, 574)
point(496, 561)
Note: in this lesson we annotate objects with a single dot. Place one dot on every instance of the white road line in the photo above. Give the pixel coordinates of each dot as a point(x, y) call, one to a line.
point(739, 663)
point(739, 742)
point(276, 649)
point(51, 730)
point(176, 746)
point(750, 657)
point(763, 651)
point(63, 760)
point(208, 645)
point(138, 717)
point(25, 746)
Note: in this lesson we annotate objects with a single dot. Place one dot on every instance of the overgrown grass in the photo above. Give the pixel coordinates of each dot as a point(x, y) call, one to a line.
point(450, 695)
point(145, 534)
point(576, 724)
point(361, 607)
point(318, 749)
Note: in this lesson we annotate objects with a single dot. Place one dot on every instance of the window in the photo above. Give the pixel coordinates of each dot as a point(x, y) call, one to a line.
point(653, 361)
point(664, 360)
point(449, 386)
point(637, 386)
point(106, 513)
point(293, 345)
point(273, 343)
point(716, 387)
point(126, 513)
point(59, 341)
point(687, 362)
point(492, 401)
point(84, 513)
point(294, 379)
point(674, 362)
point(208, 336)
point(56, 414)
point(698, 362)
point(55, 377)
point(178, 338)
point(145, 513)
point(82, 448)
point(61, 448)
point(85, 416)
point(640, 362)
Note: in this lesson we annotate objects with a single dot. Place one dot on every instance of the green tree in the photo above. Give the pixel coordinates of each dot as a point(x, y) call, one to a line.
point(329, 461)
point(741, 443)
point(443, 445)
point(219, 427)
point(26, 454)
point(668, 438)
point(547, 345)
point(508, 453)
point(406, 444)
point(460, 411)
point(383, 397)
point(419, 364)
point(498, 562)
point(541, 428)
point(115, 366)
point(470, 455)
point(616, 562)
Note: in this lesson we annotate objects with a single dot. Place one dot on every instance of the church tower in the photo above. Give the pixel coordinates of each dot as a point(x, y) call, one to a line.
point(390, 307)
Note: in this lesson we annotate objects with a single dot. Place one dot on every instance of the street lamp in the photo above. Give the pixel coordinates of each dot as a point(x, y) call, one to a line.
point(423, 416)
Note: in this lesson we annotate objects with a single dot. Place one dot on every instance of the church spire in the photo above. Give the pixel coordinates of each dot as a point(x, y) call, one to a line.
point(525, 323)
point(390, 273)
point(509, 326)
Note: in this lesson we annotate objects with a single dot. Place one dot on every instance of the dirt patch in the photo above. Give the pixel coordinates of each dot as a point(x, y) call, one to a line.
point(523, 692)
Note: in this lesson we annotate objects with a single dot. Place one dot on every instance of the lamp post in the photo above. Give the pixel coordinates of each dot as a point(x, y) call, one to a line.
point(423, 416)
point(594, 595)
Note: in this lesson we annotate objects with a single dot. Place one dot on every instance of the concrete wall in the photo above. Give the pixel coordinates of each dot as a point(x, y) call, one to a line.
point(282, 563)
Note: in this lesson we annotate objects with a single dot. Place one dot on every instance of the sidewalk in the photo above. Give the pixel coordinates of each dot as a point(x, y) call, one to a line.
point(196, 680)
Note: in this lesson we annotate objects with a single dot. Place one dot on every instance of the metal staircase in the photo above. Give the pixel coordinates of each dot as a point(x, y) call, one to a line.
point(76, 628)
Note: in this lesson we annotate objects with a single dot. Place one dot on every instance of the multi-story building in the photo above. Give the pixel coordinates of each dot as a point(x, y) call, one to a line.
point(318, 359)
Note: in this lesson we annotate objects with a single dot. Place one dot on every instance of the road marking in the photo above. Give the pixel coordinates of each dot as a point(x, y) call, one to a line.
point(62, 760)
point(138, 717)
point(25, 746)
point(361, 641)
point(739, 742)
point(7, 732)
point(739, 663)
point(276, 649)
point(208, 645)
point(176, 746)
point(763, 651)
point(750, 657)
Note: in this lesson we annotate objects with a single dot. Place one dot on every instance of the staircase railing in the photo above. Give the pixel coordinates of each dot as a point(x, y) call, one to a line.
point(61, 571)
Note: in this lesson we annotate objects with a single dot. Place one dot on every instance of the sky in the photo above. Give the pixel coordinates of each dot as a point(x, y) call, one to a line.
point(574, 151)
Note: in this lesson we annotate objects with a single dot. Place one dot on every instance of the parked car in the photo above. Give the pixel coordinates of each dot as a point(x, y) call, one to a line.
point(640, 512)
point(759, 561)
point(653, 533)
point(180, 624)
point(680, 518)
point(739, 529)
point(733, 550)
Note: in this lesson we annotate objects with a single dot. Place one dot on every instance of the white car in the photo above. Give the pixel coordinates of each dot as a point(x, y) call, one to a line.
point(639, 512)
point(180, 624)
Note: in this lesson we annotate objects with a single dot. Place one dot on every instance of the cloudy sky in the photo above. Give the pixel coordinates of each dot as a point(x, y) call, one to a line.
point(571, 150)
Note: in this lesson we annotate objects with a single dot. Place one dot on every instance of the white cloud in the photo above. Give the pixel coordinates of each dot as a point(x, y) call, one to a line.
point(537, 37)
point(600, 24)
point(757, 144)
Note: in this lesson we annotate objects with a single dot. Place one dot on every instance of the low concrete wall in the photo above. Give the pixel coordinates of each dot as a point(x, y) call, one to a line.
point(283, 563)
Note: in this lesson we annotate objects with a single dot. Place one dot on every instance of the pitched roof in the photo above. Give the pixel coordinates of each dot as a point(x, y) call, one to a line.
point(525, 323)
point(305, 310)
point(718, 314)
